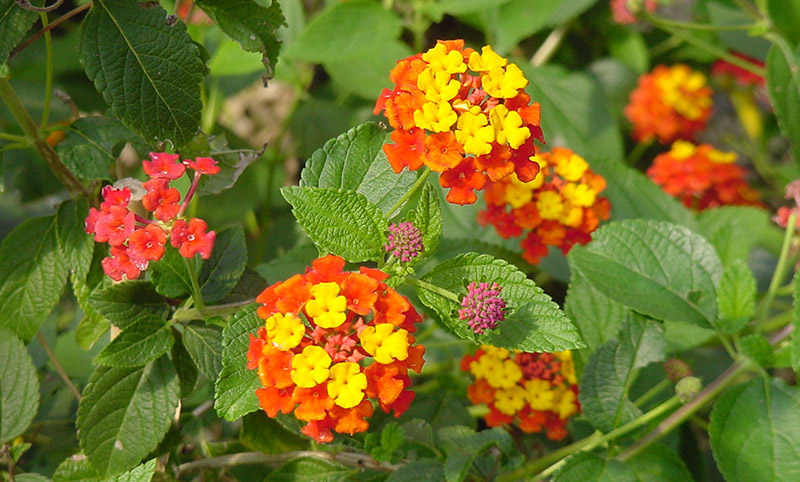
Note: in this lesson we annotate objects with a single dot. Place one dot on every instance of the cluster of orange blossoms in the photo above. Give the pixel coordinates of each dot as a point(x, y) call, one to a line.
point(702, 177)
point(534, 391)
point(560, 207)
point(320, 329)
point(463, 114)
point(669, 103)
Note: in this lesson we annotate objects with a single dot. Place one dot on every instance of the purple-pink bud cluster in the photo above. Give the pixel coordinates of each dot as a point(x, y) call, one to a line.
point(482, 307)
point(405, 241)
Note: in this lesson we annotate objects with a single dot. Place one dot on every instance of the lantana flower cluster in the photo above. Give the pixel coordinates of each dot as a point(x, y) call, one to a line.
point(702, 177)
point(332, 343)
point(463, 114)
point(134, 240)
point(560, 207)
point(623, 14)
point(669, 103)
point(537, 392)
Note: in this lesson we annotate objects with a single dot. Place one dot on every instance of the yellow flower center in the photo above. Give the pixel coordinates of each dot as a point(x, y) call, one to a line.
point(437, 86)
point(347, 384)
point(510, 400)
point(504, 375)
point(540, 397)
point(385, 344)
point(473, 132)
point(550, 205)
point(311, 367)
point(579, 194)
point(571, 167)
point(325, 307)
point(285, 330)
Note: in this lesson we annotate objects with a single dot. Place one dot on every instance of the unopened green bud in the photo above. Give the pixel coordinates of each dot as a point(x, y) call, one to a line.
point(687, 388)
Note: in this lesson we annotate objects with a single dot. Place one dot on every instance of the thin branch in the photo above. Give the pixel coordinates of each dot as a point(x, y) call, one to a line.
point(51, 26)
point(550, 45)
point(350, 459)
point(26, 5)
point(58, 367)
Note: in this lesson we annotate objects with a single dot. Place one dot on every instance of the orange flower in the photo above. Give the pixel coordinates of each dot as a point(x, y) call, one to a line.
point(313, 403)
point(274, 400)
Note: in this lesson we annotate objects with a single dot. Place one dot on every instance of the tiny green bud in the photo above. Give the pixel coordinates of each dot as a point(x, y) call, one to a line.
point(687, 388)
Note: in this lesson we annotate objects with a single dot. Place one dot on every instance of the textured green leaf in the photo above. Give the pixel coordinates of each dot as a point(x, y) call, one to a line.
point(588, 467)
point(235, 390)
point(19, 387)
point(341, 222)
point(657, 463)
point(142, 473)
point(381, 446)
point(76, 469)
point(733, 230)
point(139, 343)
point(427, 217)
point(29, 477)
point(419, 470)
point(436, 10)
point(93, 324)
point(250, 24)
point(148, 71)
point(597, 316)
point(612, 368)
point(439, 410)
point(184, 366)
point(76, 246)
point(755, 432)
point(355, 161)
point(15, 22)
point(92, 144)
point(463, 445)
point(795, 343)
point(122, 303)
point(660, 269)
point(783, 87)
point(204, 344)
point(170, 275)
point(264, 434)
point(33, 275)
point(125, 412)
point(736, 297)
point(223, 269)
point(533, 322)
point(758, 349)
point(785, 16)
point(311, 469)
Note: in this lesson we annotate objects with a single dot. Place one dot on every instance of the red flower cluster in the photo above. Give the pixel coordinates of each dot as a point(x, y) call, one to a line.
point(702, 177)
point(534, 391)
point(560, 207)
point(620, 9)
point(463, 114)
point(135, 240)
point(669, 103)
point(320, 328)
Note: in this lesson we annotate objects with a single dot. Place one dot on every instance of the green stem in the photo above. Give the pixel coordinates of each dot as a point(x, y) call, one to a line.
point(189, 314)
point(698, 26)
point(57, 365)
point(637, 151)
point(197, 295)
point(778, 321)
point(550, 45)
point(433, 288)
point(778, 276)
point(414, 188)
point(48, 86)
point(14, 138)
point(210, 110)
point(654, 390)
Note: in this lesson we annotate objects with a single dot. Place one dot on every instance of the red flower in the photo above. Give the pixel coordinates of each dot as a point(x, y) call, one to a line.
point(191, 238)
point(147, 244)
point(161, 199)
point(203, 165)
point(163, 165)
point(119, 263)
point(462, 181)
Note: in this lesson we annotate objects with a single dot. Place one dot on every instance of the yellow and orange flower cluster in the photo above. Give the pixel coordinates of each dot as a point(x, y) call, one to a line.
point(534, 391)
point(560, 207)
point(702, 177)
point(464, 114)
point(670, 103)
point(332, 342)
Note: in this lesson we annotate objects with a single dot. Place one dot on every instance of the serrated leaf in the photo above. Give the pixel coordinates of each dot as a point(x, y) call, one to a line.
point(736, 297)
point(533, 323)
point(169, 274)
point(223, 269)
point(588, 467)
point(235, 389)
point(755, 432)
point(390, 439)
point(76, 469)
point(122, 303)
point(142, 473)
point(341, 222)
point(93, 324)
point(92, 144)
point(758, 349)
point(125, 412)
point(657, 268)
point(597, 316)
point(311, 469)
point(76, 246)
point(463, 445)
point(733, 230)
point(783, 87)
point(612, 368)
point(148, 71)
point(657, 463)
point(15, 22)
point(33, 275)
point(419, 470)
point(19, 387)
point(355, 161)
point(250, 24)
point(139, 343)
point(204, 344)
point(427, 217)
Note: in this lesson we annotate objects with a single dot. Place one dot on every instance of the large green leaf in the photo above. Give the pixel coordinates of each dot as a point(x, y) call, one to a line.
point(427, 217)
point(355, 161)
point(366, 73)
point(141, 342)
point(463, 445)
point(223, 269)
point(15, 22)
point(736, 297)
point(657, 463)
point(170, 275)
point(33, 275)
point(76, 246)
point(341, 222)
point(148, 70)
point(122, 303)
point(204, 344)
point(418, 470)
point(235, 390)
point(311, 469)
point(142, 473)
point(660, 269)
point(733, 230)
point(783, 86)
point(755, 432)
point(76, 469)
point(597, 316)
point(19, 387)
point(588, 467)
point(125, 412)
point(785, 16)
point(533, 322)
point(612, 368)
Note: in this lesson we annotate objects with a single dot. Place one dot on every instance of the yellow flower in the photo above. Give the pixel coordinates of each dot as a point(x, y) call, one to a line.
point(550, 205)
point(473, 132)
point(285, 331)
point(682, 150)
point(311, 367)
point(579, 194)
point(571, 167)
point(436, 117)
point(564, 404)
point(504, 82)
point(508, 126)
point(385, 344)
point(517, 194)
point(437, 86)
point(325, 307)
point(540, 397)
point(346, 385)
point(509, 401)
point(485, 61)
point(505, 375)
point(441, 60)
point(567, 366)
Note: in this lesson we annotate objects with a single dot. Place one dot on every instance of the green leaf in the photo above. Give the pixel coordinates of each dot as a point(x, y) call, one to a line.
point(419, 470)
point(597, 316)
point(184, 366)
point(533, 322)
point(612, 368)
point(628, 46)
point(733, 230)
point(92, 145)
point(125, 412)
point(442, 409)
point(204, 344)
point(231, 163)
point(141, 342)
point(223, 269)
point(755, 432)
point(660, 269)
point(463, 445)
point(169, 274)
point(93, 324)
point(19, 387)
point(758, 349)
point(264, 434)
point(436, 10)
point(341, 222)
point(15, 22)
point(657, 463)
point(517, 20)
point(311, 469)
point(122, 303)
point(382, 446)
point(736, 297)
point(250, 24)
point(235, 390)
point(292, 262)
point(76, 246)
point(33, 275)
point(355, 161)
point(588, 467)
point(783, 87)
point(366, 73)
point(148, 71)
point(76, 469)
point(142, 473)
point(795, 343)
point(29, 477)
point(785, 16)
point(427, 217)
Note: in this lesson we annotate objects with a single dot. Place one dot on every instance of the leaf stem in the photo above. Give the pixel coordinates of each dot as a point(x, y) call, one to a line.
point(59, 369)
point(188, 314)
point(653, 391)
point(14, 138)
point(550, 45)
point(433, 288)
point(197, 295)
point(48, 81)
point(637, 151)
point(414, 188)
point(698, 26)
point(351, 459)
point(779, 275)
point(49, 27)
